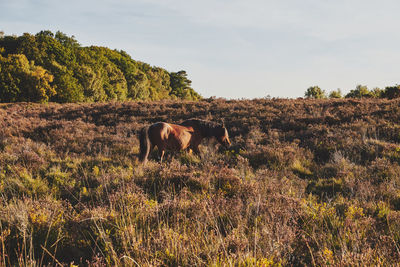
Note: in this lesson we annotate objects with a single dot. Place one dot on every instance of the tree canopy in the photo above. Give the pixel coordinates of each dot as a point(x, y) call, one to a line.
point(55, 67)
point(361, 91)
point(315, 92)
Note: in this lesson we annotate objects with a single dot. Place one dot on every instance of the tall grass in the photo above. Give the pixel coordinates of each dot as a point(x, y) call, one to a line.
point(305, 183)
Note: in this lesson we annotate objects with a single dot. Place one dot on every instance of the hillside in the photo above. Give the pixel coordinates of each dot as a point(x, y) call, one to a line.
point(306, 182)
point(55, 67)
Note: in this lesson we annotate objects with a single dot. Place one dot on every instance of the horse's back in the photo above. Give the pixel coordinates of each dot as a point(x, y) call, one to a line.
point(159, 131)
point(159, 126)
point(171, 136)
point(164, 126)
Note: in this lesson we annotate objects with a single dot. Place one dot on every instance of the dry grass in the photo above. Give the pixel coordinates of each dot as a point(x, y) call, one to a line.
point(306, 182)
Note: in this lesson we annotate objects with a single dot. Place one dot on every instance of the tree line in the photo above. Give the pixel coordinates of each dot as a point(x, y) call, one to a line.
point(55, 67)
point(361, 91)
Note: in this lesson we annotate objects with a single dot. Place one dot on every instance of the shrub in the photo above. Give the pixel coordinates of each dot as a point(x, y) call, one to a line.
point(360, 92)
point(335, 94)
point(392, 92)
point(315, 92)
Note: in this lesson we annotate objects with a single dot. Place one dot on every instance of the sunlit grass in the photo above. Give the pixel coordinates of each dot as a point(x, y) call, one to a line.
point(294, 188)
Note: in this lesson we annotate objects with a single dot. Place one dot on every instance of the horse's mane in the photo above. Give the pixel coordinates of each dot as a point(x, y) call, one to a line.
point(205, 127)
point(201, 123)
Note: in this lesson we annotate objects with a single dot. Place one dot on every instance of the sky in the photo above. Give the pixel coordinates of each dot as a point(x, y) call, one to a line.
point(234, 49)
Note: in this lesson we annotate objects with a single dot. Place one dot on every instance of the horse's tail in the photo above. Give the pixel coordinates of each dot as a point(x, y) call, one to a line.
point(144, 144)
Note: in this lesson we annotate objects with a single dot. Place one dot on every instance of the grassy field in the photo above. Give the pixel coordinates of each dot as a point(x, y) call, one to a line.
point(306, 182)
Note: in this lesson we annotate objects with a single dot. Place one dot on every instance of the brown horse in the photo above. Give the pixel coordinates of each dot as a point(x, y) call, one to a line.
point(187, 135)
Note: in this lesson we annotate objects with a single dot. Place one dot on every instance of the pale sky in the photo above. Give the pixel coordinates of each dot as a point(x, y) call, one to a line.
point(234, 49)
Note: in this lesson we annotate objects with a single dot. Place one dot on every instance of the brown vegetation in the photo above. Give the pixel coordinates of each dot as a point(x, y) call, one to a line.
point(306, 182)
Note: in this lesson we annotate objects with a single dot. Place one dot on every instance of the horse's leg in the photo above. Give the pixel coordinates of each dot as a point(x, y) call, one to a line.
point(196, 151)
point(151, 148)
point(161, 152)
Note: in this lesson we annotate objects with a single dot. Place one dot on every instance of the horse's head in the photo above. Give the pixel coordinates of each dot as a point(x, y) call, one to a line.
point(221, 134)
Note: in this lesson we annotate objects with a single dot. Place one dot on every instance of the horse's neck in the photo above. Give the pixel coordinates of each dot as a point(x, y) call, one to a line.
point(206, 130)
point(209, 132)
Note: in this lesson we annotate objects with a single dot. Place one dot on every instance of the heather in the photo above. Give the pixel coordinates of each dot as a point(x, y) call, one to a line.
point(306, 182)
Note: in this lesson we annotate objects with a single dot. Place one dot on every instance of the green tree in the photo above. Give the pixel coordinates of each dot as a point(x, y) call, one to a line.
point(140, 87)
point(181, 86)
point(360, 92)
point(21, 80)
point(66, 41)
point(315, 92)
point(159, 82)
point(114, 82)
point(335, 94)
point(392, 92)
point(376, 92)
point(92, 73)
